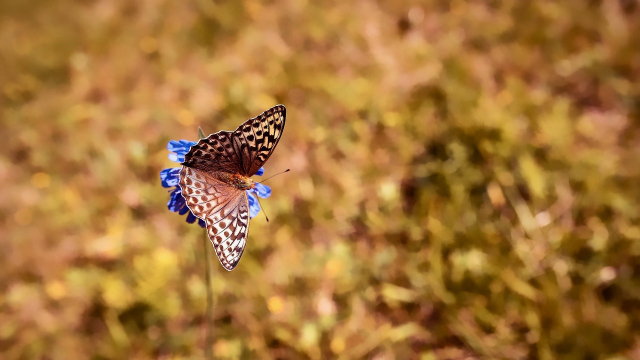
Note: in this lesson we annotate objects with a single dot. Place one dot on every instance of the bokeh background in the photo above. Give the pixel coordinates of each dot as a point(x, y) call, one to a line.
point(464, 185)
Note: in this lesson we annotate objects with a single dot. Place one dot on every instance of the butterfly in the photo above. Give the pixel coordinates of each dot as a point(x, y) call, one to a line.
point(216, 172)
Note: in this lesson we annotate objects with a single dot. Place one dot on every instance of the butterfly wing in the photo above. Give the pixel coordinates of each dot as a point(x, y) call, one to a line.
point(255, 140)
point(243, 151)
point(215, 153)
point(224, 209)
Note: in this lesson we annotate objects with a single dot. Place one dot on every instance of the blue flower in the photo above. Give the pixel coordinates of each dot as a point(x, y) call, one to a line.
point(170, 178)
point(179, 149)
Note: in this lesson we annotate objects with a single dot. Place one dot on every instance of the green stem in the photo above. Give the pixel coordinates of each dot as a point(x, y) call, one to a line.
point(208, 343)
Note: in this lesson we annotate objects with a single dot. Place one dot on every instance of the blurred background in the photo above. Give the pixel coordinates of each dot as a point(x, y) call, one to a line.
point(464, 185)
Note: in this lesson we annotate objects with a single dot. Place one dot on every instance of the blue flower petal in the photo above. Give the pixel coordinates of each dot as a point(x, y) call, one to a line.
point(201, 223)
point(176, 201)
point(260, 171)
point(184, 210)
point(180, 147)
point(170, 177)
point(176, 158)
point(263, 191)
point(191, 218)
point(254, 206)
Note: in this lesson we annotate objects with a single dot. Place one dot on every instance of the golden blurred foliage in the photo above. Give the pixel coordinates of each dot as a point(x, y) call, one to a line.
point(464, 179)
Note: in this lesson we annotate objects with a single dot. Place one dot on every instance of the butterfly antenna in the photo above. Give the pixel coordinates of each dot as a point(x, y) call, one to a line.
point(282, 172)
point(264, 212)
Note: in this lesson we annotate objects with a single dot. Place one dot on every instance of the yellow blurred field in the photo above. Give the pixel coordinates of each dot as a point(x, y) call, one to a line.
point(464, 179)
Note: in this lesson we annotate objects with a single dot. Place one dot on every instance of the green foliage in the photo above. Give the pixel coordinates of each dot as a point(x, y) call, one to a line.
point(464, 179)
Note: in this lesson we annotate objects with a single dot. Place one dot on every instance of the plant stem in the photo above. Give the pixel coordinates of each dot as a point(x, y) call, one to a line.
point(208, 343)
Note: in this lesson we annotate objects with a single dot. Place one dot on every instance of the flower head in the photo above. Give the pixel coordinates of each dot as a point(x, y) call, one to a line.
point(170, 178)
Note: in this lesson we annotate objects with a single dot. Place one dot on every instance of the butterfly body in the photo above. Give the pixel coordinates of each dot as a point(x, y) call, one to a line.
point(238, 181)
point(217, 172)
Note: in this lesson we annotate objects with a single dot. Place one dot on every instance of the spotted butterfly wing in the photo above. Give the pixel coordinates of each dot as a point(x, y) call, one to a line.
point(224, 209)
point(205, 179)
point(258, 137)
